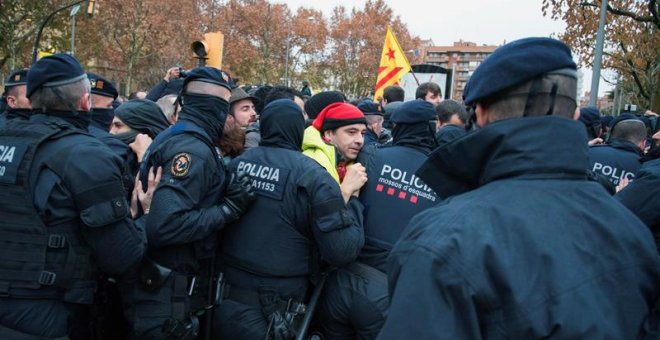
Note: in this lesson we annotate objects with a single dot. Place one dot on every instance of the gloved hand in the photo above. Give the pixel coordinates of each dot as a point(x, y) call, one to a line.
point(238, 197)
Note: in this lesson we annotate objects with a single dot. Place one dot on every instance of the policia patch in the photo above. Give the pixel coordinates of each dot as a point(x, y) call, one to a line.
point(180, 165)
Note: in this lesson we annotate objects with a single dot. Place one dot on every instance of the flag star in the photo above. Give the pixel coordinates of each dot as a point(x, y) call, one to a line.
point(390, 53)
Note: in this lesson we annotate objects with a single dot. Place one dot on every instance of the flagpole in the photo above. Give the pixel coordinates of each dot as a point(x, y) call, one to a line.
point(404, 56)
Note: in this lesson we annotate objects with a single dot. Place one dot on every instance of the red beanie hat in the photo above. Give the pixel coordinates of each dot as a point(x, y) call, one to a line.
point(337, 115)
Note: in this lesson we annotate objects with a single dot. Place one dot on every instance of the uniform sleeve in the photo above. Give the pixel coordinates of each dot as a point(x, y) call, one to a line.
point(337, 227)
point(94, 179)
point(176, 216)
point(157, 91)
point(428, 298)
point(641, 195)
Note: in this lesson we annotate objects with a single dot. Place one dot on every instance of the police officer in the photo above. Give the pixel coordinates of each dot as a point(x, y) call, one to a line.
point(620, 158)
point(271, 252)
point(64, 212)
point(17, 104)
point(355, 302)
point(188, 208)
point(104, 94)
point(517, 250)
point(374, 121)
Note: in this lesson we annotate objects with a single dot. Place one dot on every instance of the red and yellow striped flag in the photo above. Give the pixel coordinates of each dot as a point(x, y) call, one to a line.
point(393, 64)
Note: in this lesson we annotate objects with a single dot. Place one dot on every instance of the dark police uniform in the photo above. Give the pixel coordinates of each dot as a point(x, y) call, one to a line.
point(64, 215)
point(187, 210)
point(641, 197)
point(517, 251)
point(616, 160)
point(100, 125)
point(269, 255)
point(355, 302)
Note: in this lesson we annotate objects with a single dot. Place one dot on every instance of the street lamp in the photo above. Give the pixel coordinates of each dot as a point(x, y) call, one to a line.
point(598, 60)
point(288, 43)
point(73, 13)
point(91, 4)
point(287, 80)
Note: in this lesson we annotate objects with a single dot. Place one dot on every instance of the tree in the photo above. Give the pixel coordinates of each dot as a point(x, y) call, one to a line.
point(19, 22)
point(631, 45)
point(356, 42)
point(133, 42)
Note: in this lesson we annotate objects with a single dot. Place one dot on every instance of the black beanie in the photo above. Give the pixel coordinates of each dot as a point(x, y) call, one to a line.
point(316, 103)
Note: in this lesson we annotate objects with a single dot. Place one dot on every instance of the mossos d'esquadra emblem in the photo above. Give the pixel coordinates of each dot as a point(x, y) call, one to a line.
point(180, 165)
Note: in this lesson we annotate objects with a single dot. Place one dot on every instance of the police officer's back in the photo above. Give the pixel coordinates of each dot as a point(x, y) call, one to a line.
point(517, 250)
point(64, 208)
point(268, 256)
point(620, 158)
point(188, 208)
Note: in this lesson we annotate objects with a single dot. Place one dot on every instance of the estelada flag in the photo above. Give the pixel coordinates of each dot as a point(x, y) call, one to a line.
point(393, 64)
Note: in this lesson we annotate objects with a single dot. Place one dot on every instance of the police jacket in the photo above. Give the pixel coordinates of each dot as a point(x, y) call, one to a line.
point(616, 160)
point(642, 195)
point(519, 250)
point(299, 212)
point(370, 138)
point(11, 113)
point(393, 193)
point(64, 216)
point(129, 160)
point(185, 214)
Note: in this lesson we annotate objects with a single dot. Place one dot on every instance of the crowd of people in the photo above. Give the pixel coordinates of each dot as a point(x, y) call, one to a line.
point(206, 210)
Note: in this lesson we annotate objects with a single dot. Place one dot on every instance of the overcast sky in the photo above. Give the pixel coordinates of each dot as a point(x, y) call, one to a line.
point(488, 22)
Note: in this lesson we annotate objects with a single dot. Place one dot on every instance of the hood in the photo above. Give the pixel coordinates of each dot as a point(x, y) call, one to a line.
point(206, 111)
point(314, 147)
point(282, 125)
point(143, 116)
point(418, 136)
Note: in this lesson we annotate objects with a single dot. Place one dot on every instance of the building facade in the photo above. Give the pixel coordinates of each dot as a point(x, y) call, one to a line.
point(462, 58)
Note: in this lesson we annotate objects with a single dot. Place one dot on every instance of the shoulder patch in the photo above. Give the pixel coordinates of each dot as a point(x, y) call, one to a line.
point(180, 164)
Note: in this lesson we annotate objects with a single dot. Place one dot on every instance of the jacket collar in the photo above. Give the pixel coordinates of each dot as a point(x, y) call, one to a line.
point(518, 147)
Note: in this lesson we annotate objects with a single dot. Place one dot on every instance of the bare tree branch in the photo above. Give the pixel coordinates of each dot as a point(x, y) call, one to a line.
point(634, 74)
point(648, 18)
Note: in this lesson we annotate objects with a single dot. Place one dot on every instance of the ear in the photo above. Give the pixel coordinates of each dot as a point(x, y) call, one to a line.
point(11, 101)
point(642, 144)
point(86, 102)
point(482, 116)
point(327, 134)
point(576, 114)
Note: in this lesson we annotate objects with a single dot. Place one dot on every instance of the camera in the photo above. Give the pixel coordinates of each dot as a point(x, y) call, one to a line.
point(182, 73)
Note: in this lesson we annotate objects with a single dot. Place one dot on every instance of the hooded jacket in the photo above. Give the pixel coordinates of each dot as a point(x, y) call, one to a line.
point(314, 147)
point(518, 251)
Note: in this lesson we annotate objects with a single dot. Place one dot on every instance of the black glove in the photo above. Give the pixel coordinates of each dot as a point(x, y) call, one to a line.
point(238, 197)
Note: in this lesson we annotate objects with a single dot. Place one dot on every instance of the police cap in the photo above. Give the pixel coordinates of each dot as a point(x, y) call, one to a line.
point(211, 75)
point(414, 111)
point(589, 115)
point(18, 77)
point(369, 108)
point(515, 63)
point(102, 86)
point(55, 70)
